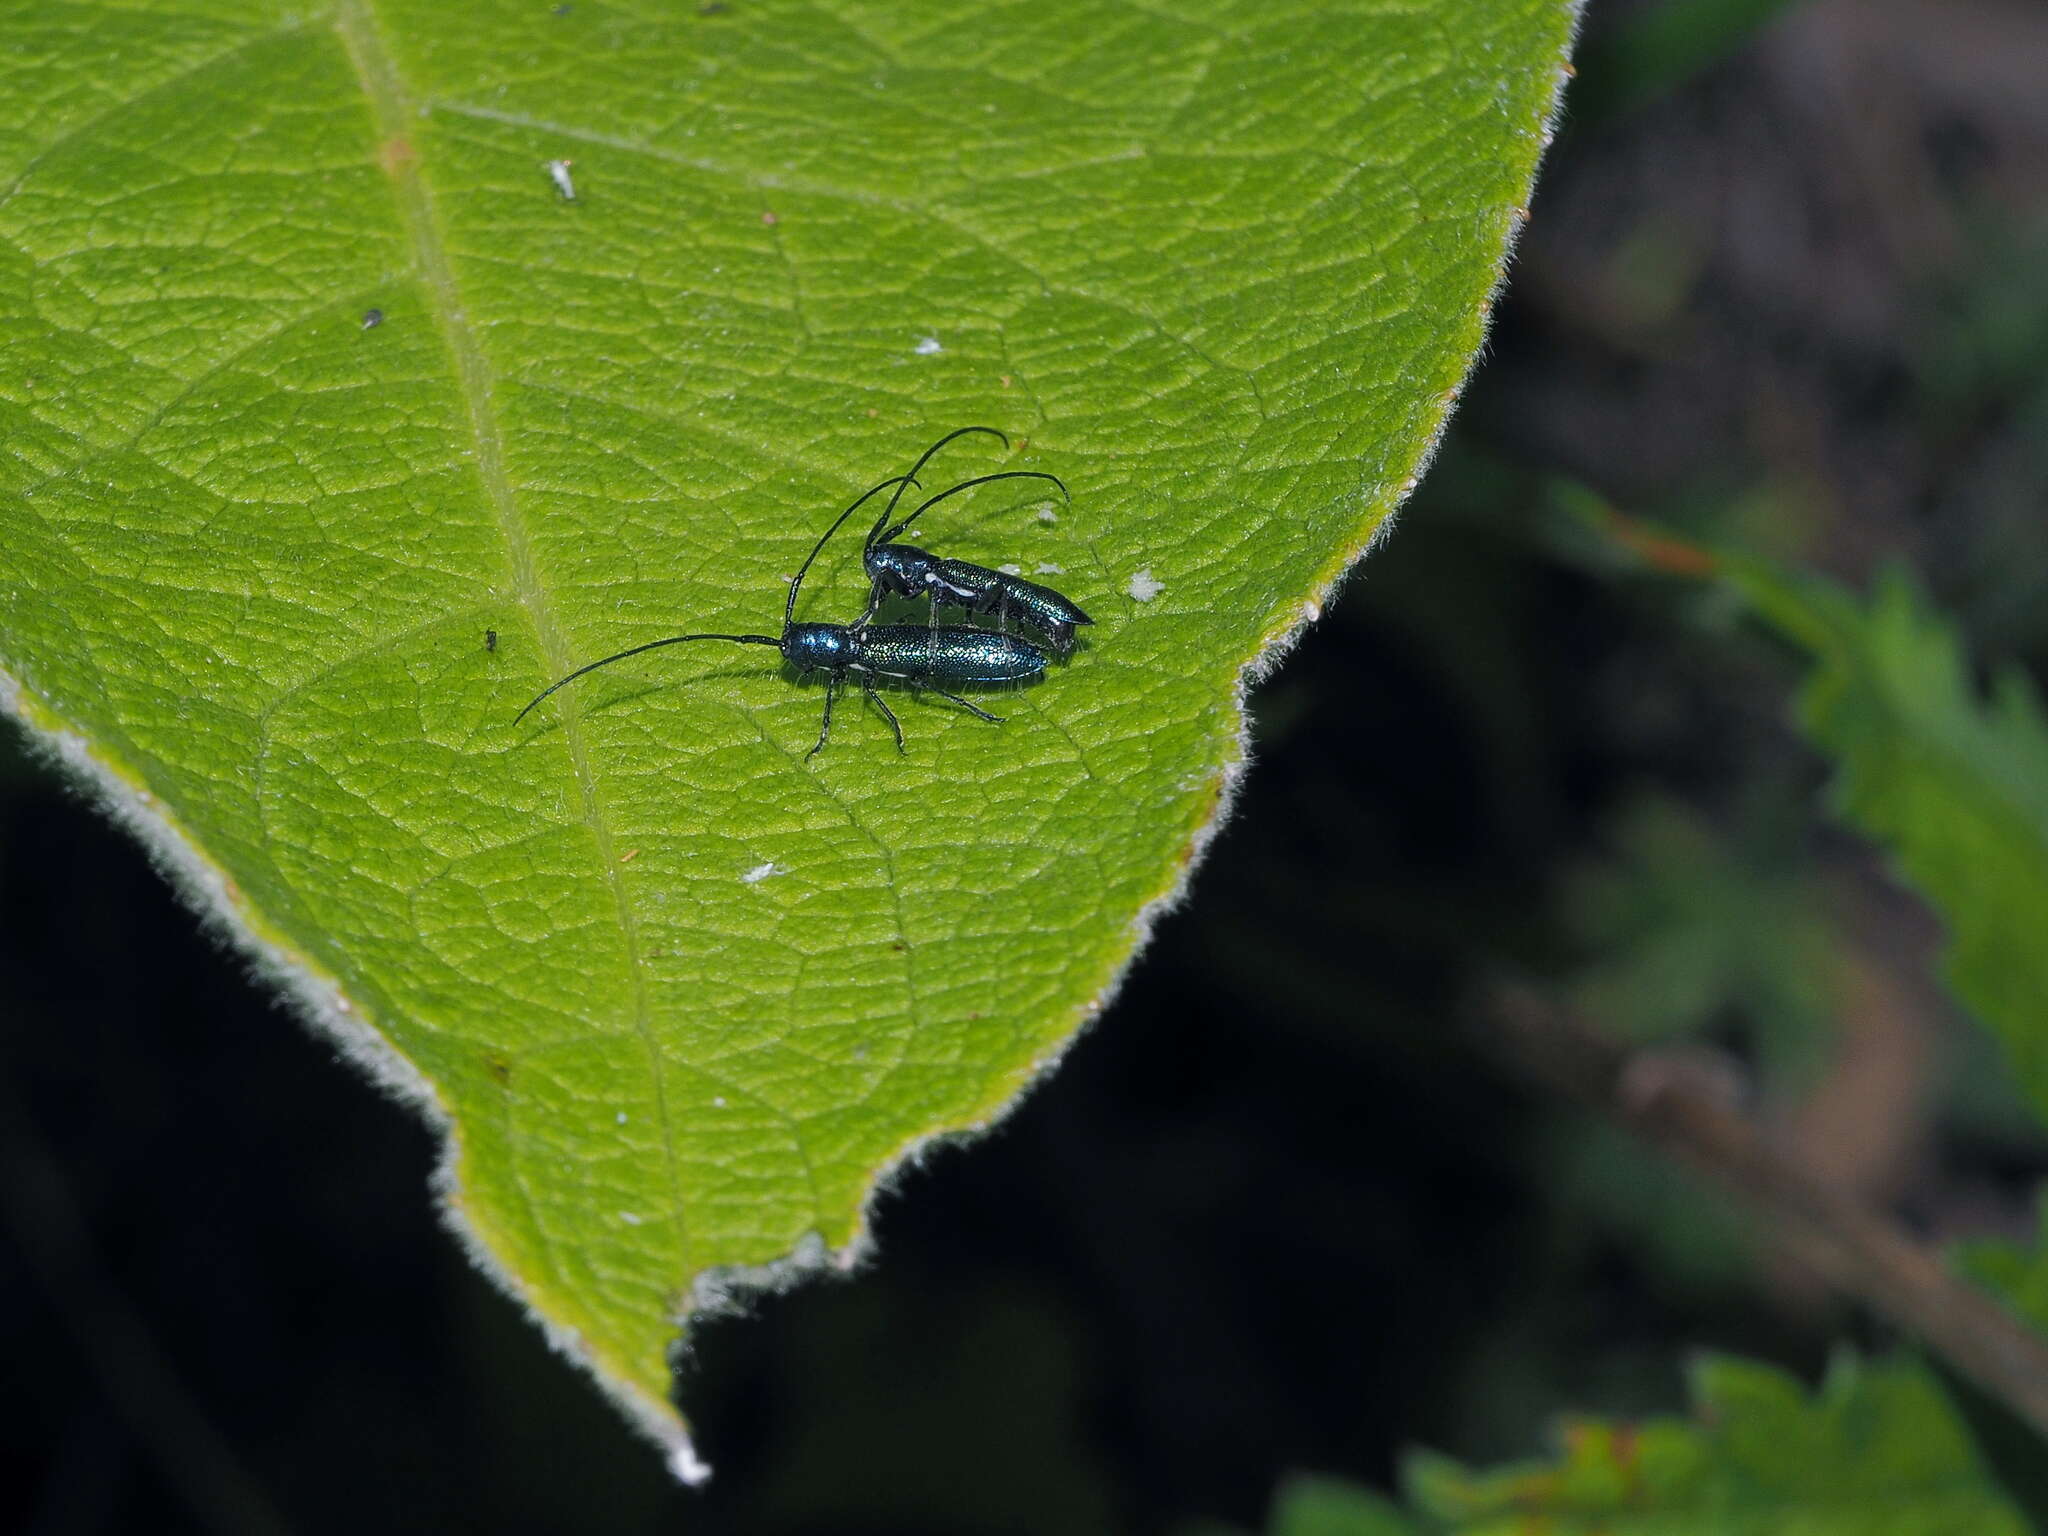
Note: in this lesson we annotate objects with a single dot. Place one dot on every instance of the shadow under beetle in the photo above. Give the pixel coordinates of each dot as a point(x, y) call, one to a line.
point(903, 570)
point(923, 656)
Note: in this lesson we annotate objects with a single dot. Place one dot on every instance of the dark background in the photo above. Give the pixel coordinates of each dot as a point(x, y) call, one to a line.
point(1280, 1209)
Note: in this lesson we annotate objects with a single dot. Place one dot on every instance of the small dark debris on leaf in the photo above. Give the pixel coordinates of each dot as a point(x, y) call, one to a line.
point(372, 318)
point(563, 9)
point(713, 8)
point(490, 639)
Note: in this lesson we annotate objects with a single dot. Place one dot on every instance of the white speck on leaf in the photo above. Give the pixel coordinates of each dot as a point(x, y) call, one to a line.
point(1047, 568)
point(1143, 587)
point(622, 1117)
point(1011, 570)
point(927, 346)
point(761, 872)
point(558, 173)
point(1047, 515)
point(629, 1218)
point(718, 1102)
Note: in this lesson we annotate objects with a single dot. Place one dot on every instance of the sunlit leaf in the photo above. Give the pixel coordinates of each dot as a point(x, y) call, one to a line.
point(369, 366)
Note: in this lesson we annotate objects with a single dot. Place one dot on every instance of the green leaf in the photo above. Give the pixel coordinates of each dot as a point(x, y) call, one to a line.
point(1323, 1506)
point(1877, 1451)
point(316, 377)
point(1691, 924)
point(1953, 784)
point(2019, 1275)
point(1308, 1505)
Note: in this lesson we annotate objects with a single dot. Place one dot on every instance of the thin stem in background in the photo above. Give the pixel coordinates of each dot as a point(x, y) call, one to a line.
point(1857, 1250)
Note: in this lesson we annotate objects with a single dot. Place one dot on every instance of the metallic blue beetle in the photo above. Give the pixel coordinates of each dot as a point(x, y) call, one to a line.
point(922, 656)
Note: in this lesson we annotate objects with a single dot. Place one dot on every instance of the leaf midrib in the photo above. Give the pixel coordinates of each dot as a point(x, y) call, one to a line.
point(392, 109)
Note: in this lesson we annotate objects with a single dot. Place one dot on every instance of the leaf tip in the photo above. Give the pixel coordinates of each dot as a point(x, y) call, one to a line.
point(686, 1466)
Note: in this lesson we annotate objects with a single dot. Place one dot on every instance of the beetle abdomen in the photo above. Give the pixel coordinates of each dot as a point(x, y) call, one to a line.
point(970, 586)
point(994, 591)
point(949, 655)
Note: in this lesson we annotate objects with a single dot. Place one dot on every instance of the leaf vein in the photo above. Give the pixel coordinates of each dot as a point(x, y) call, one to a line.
point(392, 110)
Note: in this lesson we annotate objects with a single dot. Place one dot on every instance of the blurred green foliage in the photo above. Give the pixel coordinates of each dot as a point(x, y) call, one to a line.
point(1665, 45)
point(1954, 786)
point(1690, 925)
point(2016, 1272)
point(1693, 922)
point(1877, 1451)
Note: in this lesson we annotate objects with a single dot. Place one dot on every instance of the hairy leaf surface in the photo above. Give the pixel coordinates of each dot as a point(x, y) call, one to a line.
point(371, 364)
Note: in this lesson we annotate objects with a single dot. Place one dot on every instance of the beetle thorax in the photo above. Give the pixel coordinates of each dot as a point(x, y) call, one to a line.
point(819, 647)
point(900, 568)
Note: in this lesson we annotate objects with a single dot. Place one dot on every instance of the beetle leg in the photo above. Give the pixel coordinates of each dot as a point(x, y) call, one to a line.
point(888, 714)
point(831, 693)
point(972, 709)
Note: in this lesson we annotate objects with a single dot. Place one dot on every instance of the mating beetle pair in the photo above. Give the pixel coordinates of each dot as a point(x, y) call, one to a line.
point(922, 656)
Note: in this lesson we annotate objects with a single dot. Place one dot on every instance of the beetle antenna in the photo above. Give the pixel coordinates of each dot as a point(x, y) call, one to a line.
point(651, 645)
point(899, 481)
point(968, 485)
point(874, 533)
